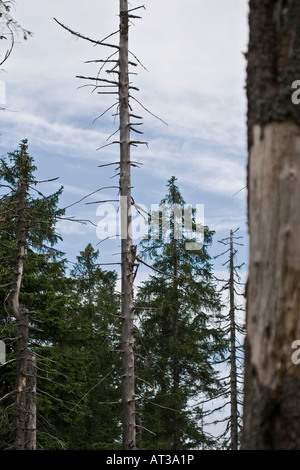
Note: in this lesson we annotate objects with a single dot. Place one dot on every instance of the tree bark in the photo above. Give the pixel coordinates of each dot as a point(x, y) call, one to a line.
point(21, 398)
point(272, 381)
point(127, 248)
point(21, 316)
point(31, 402)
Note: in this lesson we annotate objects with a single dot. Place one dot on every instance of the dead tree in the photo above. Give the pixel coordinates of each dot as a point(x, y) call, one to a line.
point(128, 122)
point(233, 372)
point(272, 380)
point(31, 402)
point(128, 251)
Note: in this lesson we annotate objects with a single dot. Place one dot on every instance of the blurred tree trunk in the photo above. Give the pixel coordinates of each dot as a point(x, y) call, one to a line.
point(272, 381)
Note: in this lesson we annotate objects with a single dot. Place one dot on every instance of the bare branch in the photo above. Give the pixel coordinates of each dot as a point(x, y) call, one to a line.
point(107, 238)
point(85, 37)
point(111, 143)
point(143, 427)
point(11, 47)
point(106, 264)
point(97, 79)
point(88, 195)
point(103, 202)
point(135, 143)
point(154, 115)
point(43, 181)
point(105, 111)
point(137, 8)
point(157, 270)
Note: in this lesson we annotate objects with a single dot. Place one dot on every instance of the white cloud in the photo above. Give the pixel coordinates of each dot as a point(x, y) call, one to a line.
point(54, 134)
point(193, 50)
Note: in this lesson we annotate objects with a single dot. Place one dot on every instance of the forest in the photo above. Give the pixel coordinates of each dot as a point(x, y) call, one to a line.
point(63, 333)
point(176, 340)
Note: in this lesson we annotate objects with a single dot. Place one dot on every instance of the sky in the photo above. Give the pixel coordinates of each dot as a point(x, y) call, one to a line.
point(192, 78)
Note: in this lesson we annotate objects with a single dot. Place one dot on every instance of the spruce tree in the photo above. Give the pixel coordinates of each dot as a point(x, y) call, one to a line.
point(178, 337)
point(233, 326)
point(27, 224)
point(70, 329)
point(94, 338)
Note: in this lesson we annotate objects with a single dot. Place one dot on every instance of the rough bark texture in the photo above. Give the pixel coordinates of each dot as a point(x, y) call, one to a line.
point(272, 381)
point(128, 252)
point(273, 61)
point(21, 316)
point(31, 402)
point(20, 402)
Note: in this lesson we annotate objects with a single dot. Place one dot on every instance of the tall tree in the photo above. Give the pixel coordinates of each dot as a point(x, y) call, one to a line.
point(272, 381)
point(122, 87)
point(233, 327)
point(178, 308)
point(26, 223)
point(95, 334)
point(127, 248)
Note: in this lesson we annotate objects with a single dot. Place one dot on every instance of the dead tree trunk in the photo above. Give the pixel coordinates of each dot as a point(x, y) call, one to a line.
point(233, 371)
point(21, 316)
point(128, 252)
point(272, 381)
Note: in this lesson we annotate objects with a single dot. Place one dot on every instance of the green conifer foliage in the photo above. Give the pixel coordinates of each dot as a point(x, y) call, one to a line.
point(27, 239)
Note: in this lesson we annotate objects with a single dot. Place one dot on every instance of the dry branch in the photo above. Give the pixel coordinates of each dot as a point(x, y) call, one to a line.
point(81, 36)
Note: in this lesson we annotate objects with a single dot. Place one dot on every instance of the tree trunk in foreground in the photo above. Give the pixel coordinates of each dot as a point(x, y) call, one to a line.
point(272, 380)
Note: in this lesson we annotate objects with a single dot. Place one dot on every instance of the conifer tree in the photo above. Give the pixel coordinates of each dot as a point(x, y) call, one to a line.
point(95, 330)
point(233, 326)
point(66, 326)
point(79, 395)
point(178, 337)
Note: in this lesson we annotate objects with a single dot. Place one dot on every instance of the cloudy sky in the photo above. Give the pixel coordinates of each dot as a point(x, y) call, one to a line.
point(195, 82)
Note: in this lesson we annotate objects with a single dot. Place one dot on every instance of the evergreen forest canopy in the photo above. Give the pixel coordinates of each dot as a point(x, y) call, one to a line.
point(62, 330)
